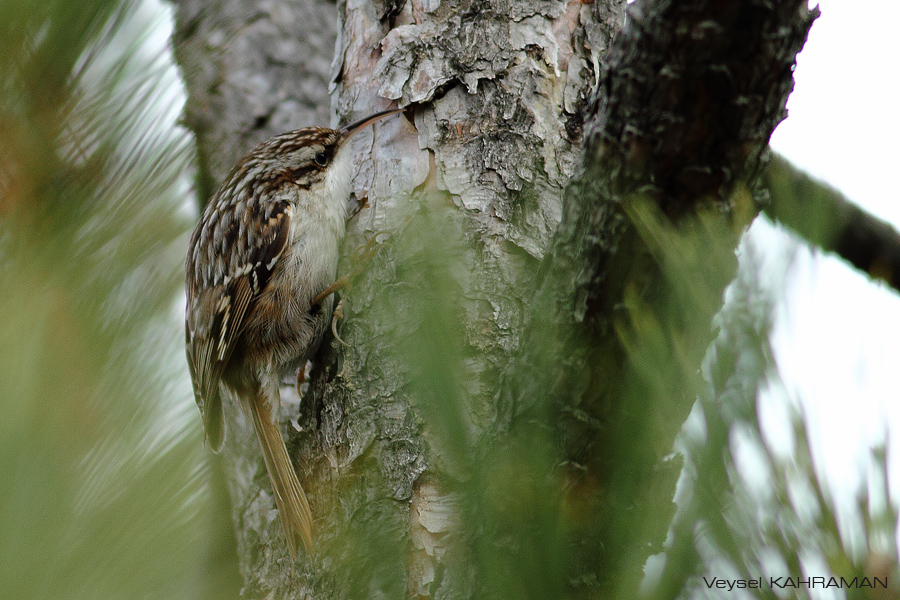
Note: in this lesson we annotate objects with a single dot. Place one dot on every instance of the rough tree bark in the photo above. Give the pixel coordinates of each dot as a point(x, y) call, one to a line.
point(497, 92)
point(688, 99)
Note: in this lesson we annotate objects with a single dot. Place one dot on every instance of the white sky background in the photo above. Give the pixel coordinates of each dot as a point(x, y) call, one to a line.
point(837, 334)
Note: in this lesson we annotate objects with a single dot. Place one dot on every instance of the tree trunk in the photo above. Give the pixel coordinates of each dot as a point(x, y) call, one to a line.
point(448, 347)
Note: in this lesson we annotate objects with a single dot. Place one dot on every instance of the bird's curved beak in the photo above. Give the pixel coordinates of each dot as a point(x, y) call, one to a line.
point(347, 131)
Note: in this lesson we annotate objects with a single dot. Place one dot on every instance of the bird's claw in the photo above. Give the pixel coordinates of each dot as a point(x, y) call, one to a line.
point(336, 316)
point(367, 251)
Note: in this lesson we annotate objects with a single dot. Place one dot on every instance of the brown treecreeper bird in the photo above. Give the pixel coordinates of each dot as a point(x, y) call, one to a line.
point(263, 253)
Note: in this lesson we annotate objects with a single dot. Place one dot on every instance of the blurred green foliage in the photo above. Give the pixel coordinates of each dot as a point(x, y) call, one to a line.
point(751, 503)
point(533, 524)
point(101, 493)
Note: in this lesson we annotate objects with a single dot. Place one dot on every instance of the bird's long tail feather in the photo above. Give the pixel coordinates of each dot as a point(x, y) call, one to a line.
point(289, 496)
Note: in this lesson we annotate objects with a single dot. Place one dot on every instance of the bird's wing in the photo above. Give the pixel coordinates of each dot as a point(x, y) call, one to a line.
point(230, 262)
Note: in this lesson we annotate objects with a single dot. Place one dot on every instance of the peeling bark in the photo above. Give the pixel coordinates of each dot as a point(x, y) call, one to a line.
point(498, 91)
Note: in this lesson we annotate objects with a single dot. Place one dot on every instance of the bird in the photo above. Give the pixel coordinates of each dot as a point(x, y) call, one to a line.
point(265, 249)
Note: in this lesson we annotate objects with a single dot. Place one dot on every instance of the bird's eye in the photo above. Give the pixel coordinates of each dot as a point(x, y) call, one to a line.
point(321, 159)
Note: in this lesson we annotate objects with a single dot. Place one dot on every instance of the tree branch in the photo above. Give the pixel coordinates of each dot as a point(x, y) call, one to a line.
point(826, 218)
